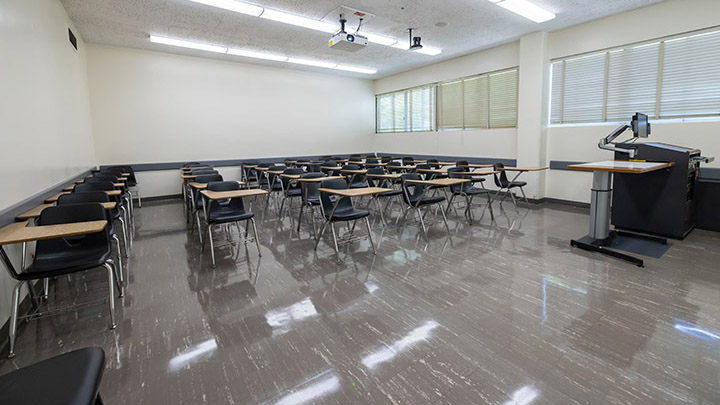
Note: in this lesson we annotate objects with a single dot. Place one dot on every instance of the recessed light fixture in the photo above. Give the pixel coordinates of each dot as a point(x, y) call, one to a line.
point(258, 55)
point(299, 21)
point(187, 44)
point(526, 9)
point(232, 5)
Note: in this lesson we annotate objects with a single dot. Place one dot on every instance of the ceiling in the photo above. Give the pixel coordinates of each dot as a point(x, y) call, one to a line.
point(472, 25)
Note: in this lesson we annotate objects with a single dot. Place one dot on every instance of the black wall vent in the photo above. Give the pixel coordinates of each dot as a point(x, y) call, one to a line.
point(72, 38)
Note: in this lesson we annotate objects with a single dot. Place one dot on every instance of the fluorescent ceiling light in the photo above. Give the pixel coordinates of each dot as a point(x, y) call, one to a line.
point(356, 69)
point(257, 55)
point(526, 9)
point(187, 44)
point(292, 19)
point(232, 5)
point(310, 62)
point(379, 39)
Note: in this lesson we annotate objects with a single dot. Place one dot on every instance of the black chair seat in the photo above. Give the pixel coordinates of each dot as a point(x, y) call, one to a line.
point(66, 262)
point(513, 184)
point(358, 185)
point(71, 378)
point(427, 200)
point(294, 192)
point(477, 179)
point(349, 214)
point(314, 200)
point(224, 214)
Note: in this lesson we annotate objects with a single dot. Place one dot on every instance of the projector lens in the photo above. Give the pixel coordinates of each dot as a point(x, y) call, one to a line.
point(350, 38)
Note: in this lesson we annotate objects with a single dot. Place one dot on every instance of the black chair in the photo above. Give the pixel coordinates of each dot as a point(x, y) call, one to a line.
point(262, 178)
point(468, 191)
point(196, 172)
point(310, 197)
point(227, 211)
point(355, 180)
point(98, 197)
point(64, 256)
point(408, 161)
point(464, 164)
point(314, 167)
point(424, 175)
point(131, 182)
point(335, 171)
point(502, 183)
point(70, 378)
point(414, 196)
point(340, 209)
point(198, 203)
point(394, 167)
point(435, 164)
point(386, 159)
point(290, 187)
point(249, 174)
point(124, 218)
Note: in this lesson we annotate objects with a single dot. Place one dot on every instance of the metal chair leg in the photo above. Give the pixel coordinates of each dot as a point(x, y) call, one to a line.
point(372, 242)
point(111, 295)
point(199, 228)
point(300, 216)
point(337, 251)
point(119, 252)
point(422, 222)
point(13, 317)
point(125, 236)
point(212, 246)
point(524, 196)
point(512, 196)
point(446, 222)
point(257, 239)
point(118, 277)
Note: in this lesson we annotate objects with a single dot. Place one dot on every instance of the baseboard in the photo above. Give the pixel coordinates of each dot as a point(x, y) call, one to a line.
point(566, 202)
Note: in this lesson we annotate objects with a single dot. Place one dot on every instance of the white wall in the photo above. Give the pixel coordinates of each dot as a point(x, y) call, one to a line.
point(579, 143)
point(156, 107)
point(499, 143)
point(44, 109)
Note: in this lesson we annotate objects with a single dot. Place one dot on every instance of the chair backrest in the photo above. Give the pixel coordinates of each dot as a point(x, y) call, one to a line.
point(331, 172)
point(192, 164)
point(501, 179)
point(351, 166)
point(374, 181)
point(386, 159)
point(83, 197)
point(434, 163)
point(288, 183)
point(462, 163)
point(355, 156)
point(310, 189)
point(371, 160)
point(274, 179)
point(393, 166)
point(206, 178)
point(453, 174)
point(95, 186)
point(101, 178)
point(408, 161)
point(71, 213)
point(328, 200)
point(424, 166)
point(233, 203)
point(195, 172)
point(314, 168)
point(411, 192)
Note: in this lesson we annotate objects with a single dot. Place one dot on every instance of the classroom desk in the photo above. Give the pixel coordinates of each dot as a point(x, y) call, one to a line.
point(111, 193)
point(72, 187)
point(351, 193)
point(35, 212)
point(125, 174)
point(599, 235)
point(439, 182)
point(224, 195)
point(314, 179)
point(445, 163)
point(379, 164)
point(402, 167)
point(203, 186)
point(476, 165)
point(389, 176)
point(20, 232)
point(276, 172)
point(331, 167)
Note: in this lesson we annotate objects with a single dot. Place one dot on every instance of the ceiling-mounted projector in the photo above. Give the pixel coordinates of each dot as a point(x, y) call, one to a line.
point(348, 42)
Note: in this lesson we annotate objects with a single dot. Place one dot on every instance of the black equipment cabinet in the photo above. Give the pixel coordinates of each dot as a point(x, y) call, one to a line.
point(708, 204)
point(659, 203)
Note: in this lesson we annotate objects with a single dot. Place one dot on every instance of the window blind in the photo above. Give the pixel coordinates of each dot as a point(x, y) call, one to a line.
point(406, 111)
point(672, 77)
point(483, 101)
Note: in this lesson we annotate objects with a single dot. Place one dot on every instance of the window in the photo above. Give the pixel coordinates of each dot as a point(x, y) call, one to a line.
point(410, 110)
point(484, 101)
point(668, 78)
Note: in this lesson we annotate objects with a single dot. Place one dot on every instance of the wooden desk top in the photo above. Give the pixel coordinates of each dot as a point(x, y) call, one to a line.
point(435, 171)
point(224, 195)
point(203, 186)
point(619, 166)
point(315, 163)
point(476, 173)
point(289, 176)
point(125, 174)
point(330, 167)
point(385, 175)
point(262, 169)
point(477, 165)
point(188, 176)
point(356, 192)
point(439, 182)
point(402, 167)
point(320, 179)
point(446, 163)
point(376, 164)
point(123, 179)
point(250, 166)
point(35, 212)
point(352, 171)
point(56, 196)
point(276, 171)
point(525, 169)
point(19, 232)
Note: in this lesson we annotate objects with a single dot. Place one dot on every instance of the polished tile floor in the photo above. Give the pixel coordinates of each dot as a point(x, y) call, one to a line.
point(498, 313)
